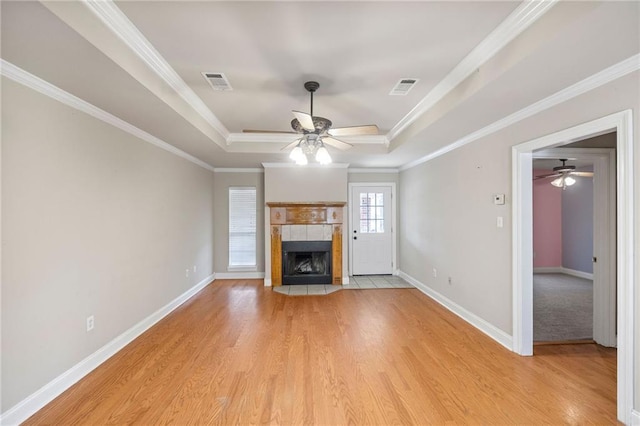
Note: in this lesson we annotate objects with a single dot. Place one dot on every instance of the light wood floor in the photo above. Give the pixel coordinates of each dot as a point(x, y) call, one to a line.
point(238, 353)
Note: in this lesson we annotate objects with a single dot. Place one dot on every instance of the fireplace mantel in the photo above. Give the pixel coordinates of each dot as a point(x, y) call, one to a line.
point(312, 213)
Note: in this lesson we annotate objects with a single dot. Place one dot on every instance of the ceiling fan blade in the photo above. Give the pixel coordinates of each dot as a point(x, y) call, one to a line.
point(336, 143)
point(370, 129)
point(305, 120)
point(267, 131)
point(551, 175)
point(582, 174)
point(291, 145)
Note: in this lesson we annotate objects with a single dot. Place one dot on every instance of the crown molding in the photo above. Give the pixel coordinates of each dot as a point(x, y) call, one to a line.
point(117, 21)
point(364, 170)
point(280, 138)
point(306, 166)
point(590, 83)
point(238, 170)
point(519, 20)
point(29, 80)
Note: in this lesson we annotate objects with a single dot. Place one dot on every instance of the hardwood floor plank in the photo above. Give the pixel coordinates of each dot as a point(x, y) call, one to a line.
point(239, 353)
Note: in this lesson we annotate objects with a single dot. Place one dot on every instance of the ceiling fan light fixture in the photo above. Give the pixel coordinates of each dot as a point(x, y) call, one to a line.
point(563, 181)
point(322, 155)
point(297, 155)
point(557, 182)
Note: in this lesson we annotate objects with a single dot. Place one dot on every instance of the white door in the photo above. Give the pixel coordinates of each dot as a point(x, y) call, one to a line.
point(371, 235)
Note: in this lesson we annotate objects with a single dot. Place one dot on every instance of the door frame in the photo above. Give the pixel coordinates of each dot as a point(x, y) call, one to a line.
point(522, 242)
point(394, 227)
point(604, 228)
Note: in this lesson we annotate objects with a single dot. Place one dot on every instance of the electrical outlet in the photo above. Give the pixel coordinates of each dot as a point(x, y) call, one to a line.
point(90, 323)
point(186, 272)
point(435, 272)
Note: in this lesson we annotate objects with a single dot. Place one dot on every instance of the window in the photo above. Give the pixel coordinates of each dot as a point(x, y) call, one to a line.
point(242, 227)
point(371, 213)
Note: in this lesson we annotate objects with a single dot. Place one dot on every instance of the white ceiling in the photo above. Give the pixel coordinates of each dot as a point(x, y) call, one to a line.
point(357, 51)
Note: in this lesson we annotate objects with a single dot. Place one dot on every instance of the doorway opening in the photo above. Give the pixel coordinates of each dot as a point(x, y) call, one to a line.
point(574, 258)
point(522, 255)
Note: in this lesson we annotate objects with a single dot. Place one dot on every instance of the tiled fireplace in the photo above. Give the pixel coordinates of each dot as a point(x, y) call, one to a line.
point(306, 243)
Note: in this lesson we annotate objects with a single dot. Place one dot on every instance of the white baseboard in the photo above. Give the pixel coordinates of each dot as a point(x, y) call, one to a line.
point(489, 329)
point(345, 280)
point(548, 270)
point(563, 270)
point(267, 282)
point(635, 418)
point(579, 274)
point(34, 402)
point(239, 275)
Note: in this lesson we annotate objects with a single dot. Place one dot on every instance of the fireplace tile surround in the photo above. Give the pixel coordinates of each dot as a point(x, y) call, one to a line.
point(313, 221)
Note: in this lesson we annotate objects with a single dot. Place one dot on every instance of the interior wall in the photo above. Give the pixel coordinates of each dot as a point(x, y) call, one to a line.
point(95, 222)
point(547, 223)
point(224, 180)
point(577, 225)
point(305, 184)
point(450, 224)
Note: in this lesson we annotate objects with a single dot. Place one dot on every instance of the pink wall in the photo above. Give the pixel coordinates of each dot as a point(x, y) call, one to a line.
point(547, 223)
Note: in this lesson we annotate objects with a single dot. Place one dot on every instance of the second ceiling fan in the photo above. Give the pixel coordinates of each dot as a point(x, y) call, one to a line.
point(316, 132)
point(563, 175)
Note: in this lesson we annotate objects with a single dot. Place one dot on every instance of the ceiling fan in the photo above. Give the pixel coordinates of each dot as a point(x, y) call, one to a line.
point(563, 175)
point(316, 132)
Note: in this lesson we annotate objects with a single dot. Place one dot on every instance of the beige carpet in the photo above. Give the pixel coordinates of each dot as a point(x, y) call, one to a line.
point(562, 307)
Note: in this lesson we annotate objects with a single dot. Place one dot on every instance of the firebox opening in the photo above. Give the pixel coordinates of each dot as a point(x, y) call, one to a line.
point(306, 262)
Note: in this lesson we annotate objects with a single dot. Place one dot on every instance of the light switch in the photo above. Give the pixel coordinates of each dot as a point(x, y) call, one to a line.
point(498, 199)
point(499, 222)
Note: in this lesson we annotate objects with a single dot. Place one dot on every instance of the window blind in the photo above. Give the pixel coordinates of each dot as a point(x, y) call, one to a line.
point(242, 226)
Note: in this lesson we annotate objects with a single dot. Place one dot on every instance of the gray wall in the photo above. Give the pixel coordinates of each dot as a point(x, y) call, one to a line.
point(305, 184)
point(224, 180)
point(450, 224)
point(577, 226)
point(95, 222)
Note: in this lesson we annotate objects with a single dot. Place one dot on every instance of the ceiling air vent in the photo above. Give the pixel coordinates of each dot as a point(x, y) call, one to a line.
point(217, 80)
point(403, 86)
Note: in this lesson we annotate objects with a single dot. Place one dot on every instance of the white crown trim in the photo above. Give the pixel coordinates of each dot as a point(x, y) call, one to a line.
point(361, 170)
point(262, 137)
point(306, 166)
point(519, 20)
point(590, 83)
point(280, 138)
point(238, 170)
point(117, 21)
point(29, 80)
